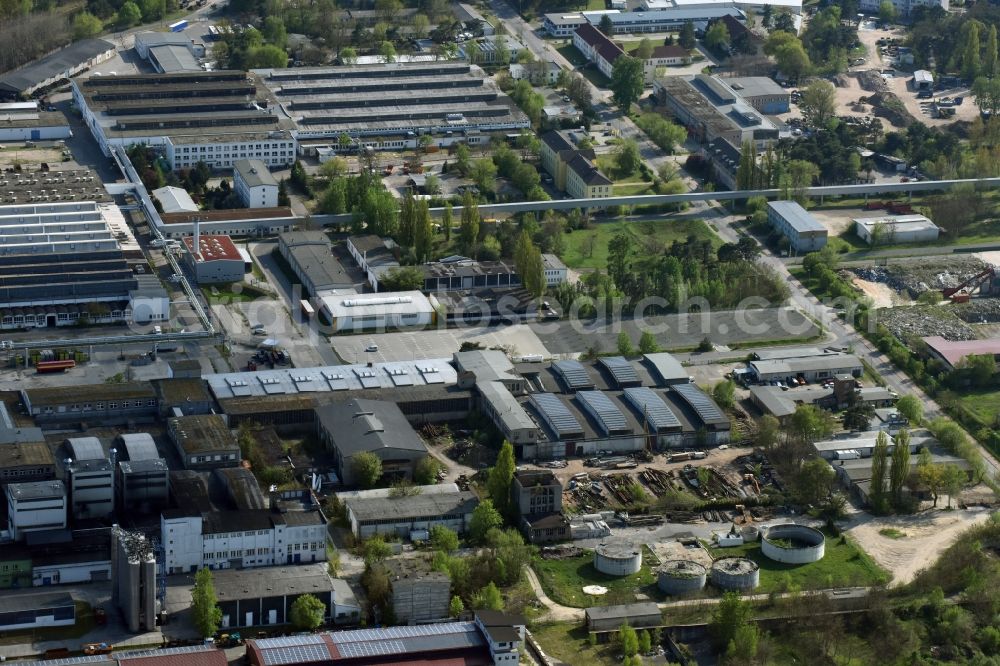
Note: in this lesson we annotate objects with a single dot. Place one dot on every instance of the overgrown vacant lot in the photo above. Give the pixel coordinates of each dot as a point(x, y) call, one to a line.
point(844, 565)
point(588, 248)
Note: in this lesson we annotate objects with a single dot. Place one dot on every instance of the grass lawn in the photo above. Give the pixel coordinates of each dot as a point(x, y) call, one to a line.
point(572, 54)
point(564, 580)
point(982, 406)
point(632, 189)
point(568, 643)
point(609, 166)
point(650, 237)
point(844, 565)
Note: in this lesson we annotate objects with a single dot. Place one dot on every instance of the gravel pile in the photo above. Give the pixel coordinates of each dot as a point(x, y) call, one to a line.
point(872, 81)
point(921, 322)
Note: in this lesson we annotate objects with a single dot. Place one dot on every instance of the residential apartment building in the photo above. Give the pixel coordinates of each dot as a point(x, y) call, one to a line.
point(597, 48)
point(585, 181)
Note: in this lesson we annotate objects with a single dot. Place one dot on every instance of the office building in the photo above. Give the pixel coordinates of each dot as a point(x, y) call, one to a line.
point(35, 507)
point(664, 20)
point(597, 48)
point(563, 25)
point(803, 231)
point(572, 170)
point(903, 7)
point(215, 117)
point(555, 270)
point(254, 184)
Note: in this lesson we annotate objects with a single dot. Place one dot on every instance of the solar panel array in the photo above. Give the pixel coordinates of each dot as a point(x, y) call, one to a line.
point(707, 410)
point(298, 654)
point(621, 370)
point(655, 410)
point(599, 405)
point(573, 374)
point(440, 629)
point(556, 414)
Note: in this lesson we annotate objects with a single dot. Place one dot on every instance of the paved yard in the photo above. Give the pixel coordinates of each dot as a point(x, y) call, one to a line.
point(519, 339)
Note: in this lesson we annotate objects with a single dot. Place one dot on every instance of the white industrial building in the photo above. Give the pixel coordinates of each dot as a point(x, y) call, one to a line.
point(555, 270)
point(175, 199)
point(241, 539)
point(803, 231)
point(383, 311)
point(216, 259)
point(896, 229)
point(903, 7)
point(35, 507)
point(811, 368)
point(170, 51)
point(25, 121)
point(90, 477)
point(794, 6)
point(254, 184)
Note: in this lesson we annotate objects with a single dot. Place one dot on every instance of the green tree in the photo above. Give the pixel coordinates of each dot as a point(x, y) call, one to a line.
point(205, 612)
point(468, 231)
point(446, 222)
point(128, 15)
point(971, 63)
point(366, 469)
point(348, 56)
point(625, 347)
point(743, 648)
point(887, 11)
point(746, 172)
point(687, 36)
point(620, 258)
point(508, 555)
point(266, 56)
point(484, 518)
point(911, 407)
point(992, 65)
point(813, 481)
point(647, 343)
point(274, 32)
point(86, 25)
point(952, 481)
point(484, 174)
point(717, 37)
point(627, 157)
point(819, 102)
point(810, 424)
point(463, 159)
point(626, 82)
point(724, 393)
point(444, 539)
point(880, 456)
point(375, 550)
point(456, 606)
point(629, 640)
point(423, 231)
point(426, 471)
point(900, 467)
point(645, 642)
point(402, 278)
point(488, 598)
point(729, 616)
point(606, 25)
point(768, 428)
point(387, 52)
point(644, 51)
point(307, 613)
point(788, 53)
point(500, 479)
point(930, 475)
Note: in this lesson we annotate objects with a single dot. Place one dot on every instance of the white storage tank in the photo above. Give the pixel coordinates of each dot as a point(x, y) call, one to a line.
point(793, 544)
point(618, 559)
point(735, 573)
point(681, 577)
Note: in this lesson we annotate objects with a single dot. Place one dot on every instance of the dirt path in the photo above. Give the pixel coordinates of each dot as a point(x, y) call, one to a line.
point(555, 612)
point(927, 535)
point(882, 295)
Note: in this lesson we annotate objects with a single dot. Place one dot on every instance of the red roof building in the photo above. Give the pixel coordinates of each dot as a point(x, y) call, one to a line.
point(216, 259)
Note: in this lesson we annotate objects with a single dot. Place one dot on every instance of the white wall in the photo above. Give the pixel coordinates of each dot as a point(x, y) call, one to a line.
point(77, 572)
point(47, 515)
point(182, 543)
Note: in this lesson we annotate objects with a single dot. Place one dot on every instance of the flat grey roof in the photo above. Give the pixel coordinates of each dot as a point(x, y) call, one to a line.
point(756, 86)
point(54, 64)
point(667, 367)
point(623, 611)
point(807, 364)
point(254, 173)
point(233, 584)
point(36, 490)
point(414, 507)
point(796, 216)
point(174, 58)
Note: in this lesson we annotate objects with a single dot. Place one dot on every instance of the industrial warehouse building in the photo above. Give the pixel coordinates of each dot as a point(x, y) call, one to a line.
point(254, 184)
point(216, 259)
point(373, 512)
point(811, 368)
point(896, 229)
point(388, 105)
point(382, 311)
point(26, 121)
point(174, 200)
point(216, 117)
point(204, 441)
point(249, 599)
point(711, 108)
point(669, 19)
point(370, 426)
point(34, 507)
point(951, 353)
point(170, 52)
point(803, 231)
point(310, 256)
point(55, 67)
point(65, 262)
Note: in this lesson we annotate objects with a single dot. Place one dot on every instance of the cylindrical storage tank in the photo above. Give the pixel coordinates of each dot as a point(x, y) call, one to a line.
point(750, 533)
point(618, 559)
point(735, 573)
point(681, 577)
point(793, 544)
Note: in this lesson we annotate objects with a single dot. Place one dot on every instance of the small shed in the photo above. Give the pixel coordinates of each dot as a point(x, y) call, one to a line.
point(923, 80)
